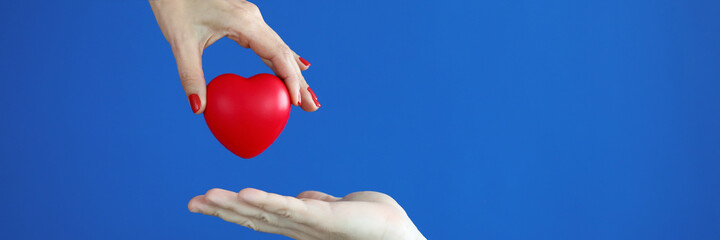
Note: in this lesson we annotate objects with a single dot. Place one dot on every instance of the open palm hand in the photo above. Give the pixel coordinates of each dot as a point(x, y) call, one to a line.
point(311, 215)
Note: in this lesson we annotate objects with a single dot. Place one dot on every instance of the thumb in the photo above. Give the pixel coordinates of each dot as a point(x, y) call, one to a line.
point(189, 63)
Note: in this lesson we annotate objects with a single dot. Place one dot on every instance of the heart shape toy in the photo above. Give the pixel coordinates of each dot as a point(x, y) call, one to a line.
point(247, 114)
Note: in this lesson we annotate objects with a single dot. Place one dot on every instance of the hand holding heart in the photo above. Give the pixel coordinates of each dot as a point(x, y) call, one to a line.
point(247, 114)
point(191, 26)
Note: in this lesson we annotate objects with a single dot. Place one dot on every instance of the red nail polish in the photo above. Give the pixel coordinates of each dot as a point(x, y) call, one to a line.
point(194, 102)
point(305, 62)
point(317, 104)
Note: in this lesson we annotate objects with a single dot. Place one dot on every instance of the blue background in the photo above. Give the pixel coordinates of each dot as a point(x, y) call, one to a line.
point(484, 119)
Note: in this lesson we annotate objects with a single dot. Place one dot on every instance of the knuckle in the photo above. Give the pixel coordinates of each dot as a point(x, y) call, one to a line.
point(388, 199)
point(305, 194)
point(215, 213)
point(251, 7)
point(213, 195)
point(248, 224)
point(284, 213)
point(285, 52)
point(244, 193)
point(245, 10)
point(187, 77)
point(261, 206)
point(266, 218)
point(384, 197)
point(243, 42)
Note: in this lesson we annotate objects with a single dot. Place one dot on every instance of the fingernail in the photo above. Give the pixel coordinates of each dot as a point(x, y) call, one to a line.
point(305, 62)
point(299, 98)
point(194, 102)
point(317, 104)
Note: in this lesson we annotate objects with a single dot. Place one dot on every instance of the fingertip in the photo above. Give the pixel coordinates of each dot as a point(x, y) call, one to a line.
point(250, 194)
point(311, 103)
point(193, 204)
point(193, 209)
point(195, 104)
point(217, 196)
point(305, 194)
point(305, 63)
point(314, 97)
point(309, 108)
point(203, 105)
point(317, 196)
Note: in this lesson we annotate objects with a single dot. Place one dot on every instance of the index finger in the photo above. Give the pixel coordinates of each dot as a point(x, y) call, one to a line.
point(266, 43)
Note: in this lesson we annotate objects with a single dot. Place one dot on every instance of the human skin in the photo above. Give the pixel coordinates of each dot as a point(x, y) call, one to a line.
point(190, 26)
point(311, 215)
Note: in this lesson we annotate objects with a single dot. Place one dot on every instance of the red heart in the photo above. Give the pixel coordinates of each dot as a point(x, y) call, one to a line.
point(247, 114)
